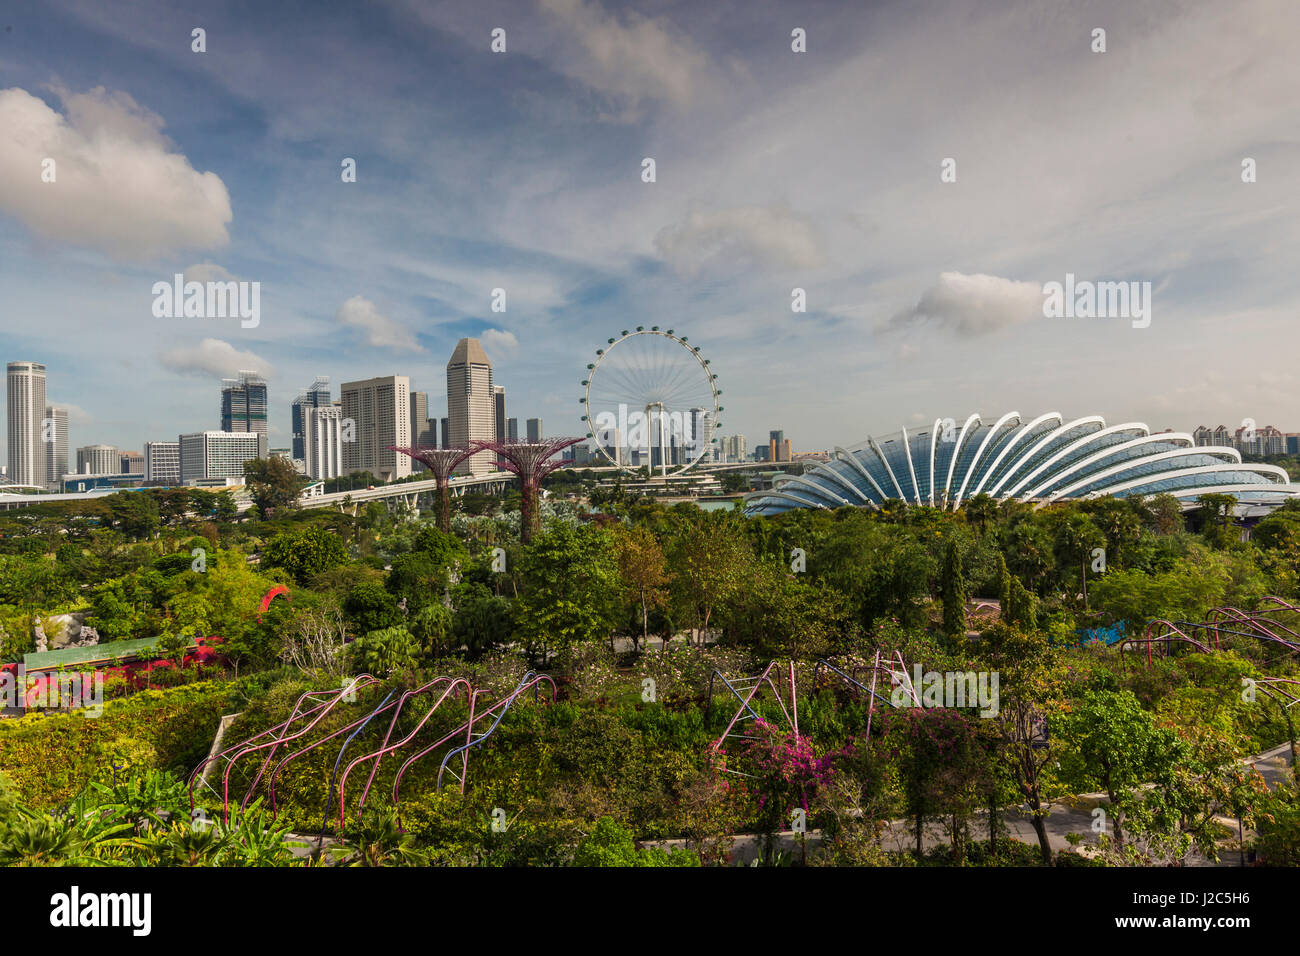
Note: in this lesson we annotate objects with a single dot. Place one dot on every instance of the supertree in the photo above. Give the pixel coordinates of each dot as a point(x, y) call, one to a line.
point(442, 462)
point(531, 461)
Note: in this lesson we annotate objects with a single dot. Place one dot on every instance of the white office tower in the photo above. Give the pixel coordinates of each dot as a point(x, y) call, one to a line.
point(207, 455)
point(99, 460)
point(323, 441)
point(380, 413)
point(471, 404)
point(162, 462)
point(28, 457)
point(699, 442)
point(54, 434)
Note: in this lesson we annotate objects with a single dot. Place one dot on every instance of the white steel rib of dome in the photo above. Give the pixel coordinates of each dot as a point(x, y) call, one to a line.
point(1043, 460)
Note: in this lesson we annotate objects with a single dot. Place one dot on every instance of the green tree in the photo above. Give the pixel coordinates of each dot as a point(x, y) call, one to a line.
point(272, 483)
point(570, 589)
point(953, 593)
point(644, 573)
point(304, 553)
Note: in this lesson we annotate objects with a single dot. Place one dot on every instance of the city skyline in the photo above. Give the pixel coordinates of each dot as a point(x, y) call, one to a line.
point(521, 173)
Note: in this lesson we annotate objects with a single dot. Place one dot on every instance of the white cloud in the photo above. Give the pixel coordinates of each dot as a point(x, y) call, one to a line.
point(632, 59)
point(76, 414)
point(214, 358)
point(769, 236)
point(208, 272)
point(359, 312)
point(498, 340)
point(119, 187)
point(974, 304)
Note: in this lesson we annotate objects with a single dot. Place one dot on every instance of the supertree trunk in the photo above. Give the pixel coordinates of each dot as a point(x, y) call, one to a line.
point(444, 505)
point(530, 522)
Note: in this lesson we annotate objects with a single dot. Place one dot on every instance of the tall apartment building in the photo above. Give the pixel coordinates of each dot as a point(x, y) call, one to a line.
point(315, 395)
point(380, 409)
point(499, 397)
point(99, 460)
point(132, 463)
point(732, 448)
point(162, 462)
point(323, 442)
point(54, 431)
point(534, 426)
point(471, 403)
point(28, 456)
point(244, 405)
point(206, 455)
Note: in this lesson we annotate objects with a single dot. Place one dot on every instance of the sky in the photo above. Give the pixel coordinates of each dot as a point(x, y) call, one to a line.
point(775, 170)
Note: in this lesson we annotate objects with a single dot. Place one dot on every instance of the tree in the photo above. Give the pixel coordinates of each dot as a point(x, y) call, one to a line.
point(1030, 695)
point(710, 561)
point(418, 579)
point(953, 593)
point(570, 589)
point(1077, 538)
point(272, 482)
point(304, 553)
point(1114, 743)
point(385, 651)
point(644, 573)
point(370, 607)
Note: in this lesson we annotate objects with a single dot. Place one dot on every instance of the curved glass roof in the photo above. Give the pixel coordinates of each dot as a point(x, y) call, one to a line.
point(1042, 459)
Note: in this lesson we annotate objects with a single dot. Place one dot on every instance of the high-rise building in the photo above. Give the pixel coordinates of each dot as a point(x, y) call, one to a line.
point(534, 429)
point(512, 429)
point(132, 462)
point(323, 442)
point(56, 444)
point(471, 403)
point(424, 430)
point(162, 462)
point(28, 457)
point(700, 440)
point(315, 395)
point(778, 446)
point(499, 396)
point(733, 448)
point(243, 406)
point(445, 435)
point(380, 409)
point(206, 455)
point(99, 460)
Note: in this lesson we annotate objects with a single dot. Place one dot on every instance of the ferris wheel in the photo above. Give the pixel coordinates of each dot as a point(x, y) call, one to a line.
point(651, 401)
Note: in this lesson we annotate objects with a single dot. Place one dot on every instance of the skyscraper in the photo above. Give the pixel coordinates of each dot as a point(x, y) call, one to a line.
point(471, 403)
point(27, 453)
point(56, 459)
point(380, 409)
point(424, 432)
point(316, 395)
point(445, 435)
point(323, 442)
point(512, 429)
point(778, 446)
point(243, 406)
point(499, 396)
point(534, 429)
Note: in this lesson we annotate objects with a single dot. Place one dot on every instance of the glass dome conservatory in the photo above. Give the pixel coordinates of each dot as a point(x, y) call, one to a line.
point(1041, 460)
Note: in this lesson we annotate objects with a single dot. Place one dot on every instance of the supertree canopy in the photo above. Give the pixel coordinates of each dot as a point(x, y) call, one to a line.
point(531, 461)
point(441, 462)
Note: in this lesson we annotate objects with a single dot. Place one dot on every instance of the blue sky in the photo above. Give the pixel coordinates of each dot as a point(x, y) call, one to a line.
point(775, 170)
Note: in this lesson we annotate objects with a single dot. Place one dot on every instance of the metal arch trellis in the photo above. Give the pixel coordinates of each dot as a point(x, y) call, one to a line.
point(1221, 624)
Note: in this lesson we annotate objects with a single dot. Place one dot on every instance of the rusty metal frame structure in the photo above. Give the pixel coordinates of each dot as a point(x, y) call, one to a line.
point(1221, 624)
point(321, 704)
